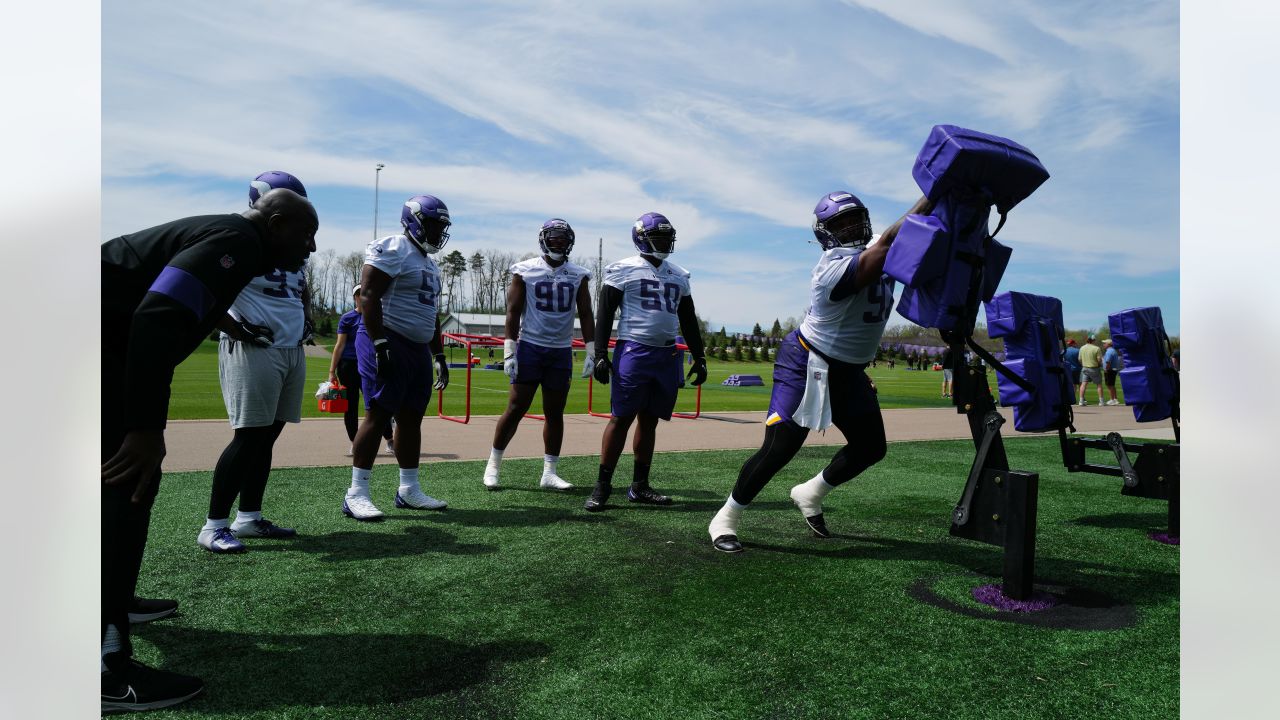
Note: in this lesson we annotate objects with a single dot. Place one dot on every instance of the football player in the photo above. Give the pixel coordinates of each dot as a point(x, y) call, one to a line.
point(540, 306)
point(654, 297)
point(819, 377)
point(163, 290)
point(261, 368)
point(396, 343)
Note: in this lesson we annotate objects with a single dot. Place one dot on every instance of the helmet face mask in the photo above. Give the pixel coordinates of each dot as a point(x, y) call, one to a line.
point(653, 234)
point(556, 239)
point(841, 220)
point(425, 220)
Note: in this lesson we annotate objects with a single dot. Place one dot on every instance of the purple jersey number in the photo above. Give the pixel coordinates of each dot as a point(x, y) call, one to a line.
point(426, 293)
point(651, 299)
point(553, 297)
point(878, 295)
point(282, 289)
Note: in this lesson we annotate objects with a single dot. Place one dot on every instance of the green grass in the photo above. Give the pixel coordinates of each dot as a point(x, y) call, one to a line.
point(196, 395)
point(519, 604)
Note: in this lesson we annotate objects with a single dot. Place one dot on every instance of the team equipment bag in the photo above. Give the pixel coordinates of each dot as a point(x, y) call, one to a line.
point(1031, 326)
point(964, 172)
point(1148, 379)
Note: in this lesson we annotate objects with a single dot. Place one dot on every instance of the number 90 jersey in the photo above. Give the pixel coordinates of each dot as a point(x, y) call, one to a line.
point(550, 299)
point(848, 330)
point(650, 297)
point(409, 305)
point(274, 300)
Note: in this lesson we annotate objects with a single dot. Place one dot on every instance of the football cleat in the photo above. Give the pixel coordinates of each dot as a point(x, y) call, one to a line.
point(360, 507)
point(143, 610)
point(647, 496)
point(817, 525)
point(599, 497)
point(491, 477)
point(811, 508)
point(554, 482)
point(219, 540)
point(415, 499)
point(727, 544)
point(140, 687)
point(391, 448)
point(262, 529)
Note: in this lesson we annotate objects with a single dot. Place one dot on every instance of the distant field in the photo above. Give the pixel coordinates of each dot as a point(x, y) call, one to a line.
point(196, 394)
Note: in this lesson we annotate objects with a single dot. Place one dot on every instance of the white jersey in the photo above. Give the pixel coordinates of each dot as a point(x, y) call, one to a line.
point(848, 330)
point(409, 305)
point(273, 300)
point(551, 299)
point(650, 297)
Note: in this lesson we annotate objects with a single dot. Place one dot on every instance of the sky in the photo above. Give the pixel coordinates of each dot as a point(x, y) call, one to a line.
point(732, 119)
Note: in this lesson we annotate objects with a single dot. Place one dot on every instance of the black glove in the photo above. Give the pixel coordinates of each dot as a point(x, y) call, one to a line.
point(308, 332)
point(442, 372)
point(601, 371)
point(257, 335)
point(382, 347)
point(698, 372)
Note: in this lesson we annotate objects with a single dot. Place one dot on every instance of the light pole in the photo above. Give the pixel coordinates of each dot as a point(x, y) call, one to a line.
point(377, 172)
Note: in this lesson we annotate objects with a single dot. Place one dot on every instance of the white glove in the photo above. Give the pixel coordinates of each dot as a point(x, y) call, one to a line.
point(589, 364)
point(509, 358)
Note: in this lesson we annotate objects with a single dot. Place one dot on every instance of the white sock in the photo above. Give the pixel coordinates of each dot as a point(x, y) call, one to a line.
point(495, 456)
point(360, 481)
point(211, 524)
point(726, 520)
point(549, 464)
point(243, 518)
point(818, 486)
point(111, 643)
point(409, 479)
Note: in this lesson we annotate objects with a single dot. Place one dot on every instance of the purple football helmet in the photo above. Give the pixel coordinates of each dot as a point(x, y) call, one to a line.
point(271, 180)
point(555, 228)
point(426, 222)
point(653, 226)
point(841, 220)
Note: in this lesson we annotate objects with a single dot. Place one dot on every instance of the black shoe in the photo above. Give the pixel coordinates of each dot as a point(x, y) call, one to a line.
point(727, 544)
point(139, 687)
point(818, 526)
point(647, 495)
point(599, 496)
point(144, 611)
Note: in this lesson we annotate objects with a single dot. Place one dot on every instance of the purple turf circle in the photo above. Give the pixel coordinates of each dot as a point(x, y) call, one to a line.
point(992, 595)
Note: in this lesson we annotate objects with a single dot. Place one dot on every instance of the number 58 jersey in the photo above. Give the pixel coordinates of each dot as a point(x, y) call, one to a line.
point(848, 330)
point(550, 301)
point(650, 297)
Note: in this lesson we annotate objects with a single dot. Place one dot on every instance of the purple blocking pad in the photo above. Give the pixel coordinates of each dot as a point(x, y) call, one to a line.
point(963, 172)
point(1148, 378)
point(1031, 326)
point(955, 159)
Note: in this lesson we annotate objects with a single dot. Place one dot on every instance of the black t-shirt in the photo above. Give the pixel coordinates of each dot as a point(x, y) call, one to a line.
point(163, 290)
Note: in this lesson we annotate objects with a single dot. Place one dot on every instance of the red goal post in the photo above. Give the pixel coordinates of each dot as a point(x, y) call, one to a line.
point(697, 408)
point(468, 341)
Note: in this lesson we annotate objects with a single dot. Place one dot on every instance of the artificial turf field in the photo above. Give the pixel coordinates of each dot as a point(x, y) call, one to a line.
point(519, 604)
point(196, 395)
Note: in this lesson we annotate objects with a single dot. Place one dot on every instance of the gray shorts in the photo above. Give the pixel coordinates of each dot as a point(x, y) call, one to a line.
point(946, 374)
point(261, 386)
point(1093, 375)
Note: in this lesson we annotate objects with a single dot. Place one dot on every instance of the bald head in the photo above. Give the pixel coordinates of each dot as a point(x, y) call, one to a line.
point(290, 222)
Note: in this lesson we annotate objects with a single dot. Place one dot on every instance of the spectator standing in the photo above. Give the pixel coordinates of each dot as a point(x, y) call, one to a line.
point(1112, 364)
point(1071, 359)
point(946, 373)
point(1091, 368)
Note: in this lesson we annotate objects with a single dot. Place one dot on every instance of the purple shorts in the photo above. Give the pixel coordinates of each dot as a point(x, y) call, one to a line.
point(645, 379)
point(409, 387)
point(850, 388)
point(540, 365)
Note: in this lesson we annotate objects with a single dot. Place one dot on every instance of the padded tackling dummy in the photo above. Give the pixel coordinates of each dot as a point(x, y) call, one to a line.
point(964, 172)
point(1148, 378)
point(1031, 326)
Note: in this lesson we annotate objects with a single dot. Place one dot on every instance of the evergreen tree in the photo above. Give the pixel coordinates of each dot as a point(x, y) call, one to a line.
point(737, 353)
point(756, 330)
point(776, 331)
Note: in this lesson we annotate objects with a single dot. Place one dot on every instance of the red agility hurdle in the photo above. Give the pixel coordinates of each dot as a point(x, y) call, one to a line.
point(468, 341)
point(591, 382)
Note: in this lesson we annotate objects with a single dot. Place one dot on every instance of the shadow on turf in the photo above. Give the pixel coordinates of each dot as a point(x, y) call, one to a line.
point(251, 672)
point(1135, 521)
point(509, 517)
point(361, 545)
point(1140, 585)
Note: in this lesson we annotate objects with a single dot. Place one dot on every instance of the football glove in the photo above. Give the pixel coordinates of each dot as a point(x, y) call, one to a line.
point(256, 335)
point(602, 370)
point(382, 347)
point(308, 332)
point(509, 364)
point(442, 372)
point(590, 361)
point(698, 372)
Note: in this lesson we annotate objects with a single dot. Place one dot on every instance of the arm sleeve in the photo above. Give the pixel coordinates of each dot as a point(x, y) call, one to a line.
point(689, 327)
point(610, 299)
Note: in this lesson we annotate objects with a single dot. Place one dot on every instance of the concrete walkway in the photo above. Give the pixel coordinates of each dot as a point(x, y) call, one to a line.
point(196, 444)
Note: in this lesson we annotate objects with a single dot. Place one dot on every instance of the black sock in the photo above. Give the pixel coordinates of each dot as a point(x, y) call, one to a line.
point(605, 477)
point(640, 476)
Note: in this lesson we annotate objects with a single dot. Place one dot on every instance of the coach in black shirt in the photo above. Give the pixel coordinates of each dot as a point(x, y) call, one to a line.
point(162, 291)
